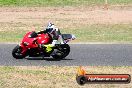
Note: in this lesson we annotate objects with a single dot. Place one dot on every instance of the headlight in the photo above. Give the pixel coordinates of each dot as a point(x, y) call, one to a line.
point(26, 43)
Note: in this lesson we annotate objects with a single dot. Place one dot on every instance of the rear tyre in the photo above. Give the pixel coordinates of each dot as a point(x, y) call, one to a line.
point(62, 51)
point(16, 53)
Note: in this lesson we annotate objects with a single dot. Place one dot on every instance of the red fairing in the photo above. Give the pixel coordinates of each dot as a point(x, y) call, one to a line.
point(27, 39)
point(28, 42)
point(43, 38)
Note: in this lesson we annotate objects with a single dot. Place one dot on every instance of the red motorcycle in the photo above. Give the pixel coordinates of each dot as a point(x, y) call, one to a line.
point(30, 46)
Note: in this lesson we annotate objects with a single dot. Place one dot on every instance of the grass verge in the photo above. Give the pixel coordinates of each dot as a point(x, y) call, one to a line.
point(59, 2)
point(111, 33)
point(55, 76)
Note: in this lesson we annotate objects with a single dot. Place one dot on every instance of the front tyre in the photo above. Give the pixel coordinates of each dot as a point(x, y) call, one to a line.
point(62, 51)
point(16, 52)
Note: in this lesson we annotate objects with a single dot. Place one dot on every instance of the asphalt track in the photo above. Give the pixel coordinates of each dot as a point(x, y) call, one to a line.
point(81, 54)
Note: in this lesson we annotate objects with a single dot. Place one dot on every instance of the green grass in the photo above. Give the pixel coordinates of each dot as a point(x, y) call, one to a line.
point(111, 33)
point(120, 1)
point(45, 2)
point(59, 2)
point(120, 33)
point(12, 36)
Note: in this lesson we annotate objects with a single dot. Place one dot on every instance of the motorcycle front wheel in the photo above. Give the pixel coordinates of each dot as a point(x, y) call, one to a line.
point(62, 51)
point(16, 53)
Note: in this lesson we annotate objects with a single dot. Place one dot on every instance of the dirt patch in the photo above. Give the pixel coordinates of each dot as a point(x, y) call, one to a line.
point(65, 17)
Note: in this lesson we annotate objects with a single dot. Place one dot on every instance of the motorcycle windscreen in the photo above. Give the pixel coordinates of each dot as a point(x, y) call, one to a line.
point(44, 39)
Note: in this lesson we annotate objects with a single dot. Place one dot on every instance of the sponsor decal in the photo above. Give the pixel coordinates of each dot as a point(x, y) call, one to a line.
point(82, 78)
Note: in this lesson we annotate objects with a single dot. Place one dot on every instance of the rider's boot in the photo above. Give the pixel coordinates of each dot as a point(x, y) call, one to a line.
point(60, 40)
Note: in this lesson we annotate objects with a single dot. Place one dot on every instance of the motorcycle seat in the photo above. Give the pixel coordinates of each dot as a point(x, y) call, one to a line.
point(66, 36)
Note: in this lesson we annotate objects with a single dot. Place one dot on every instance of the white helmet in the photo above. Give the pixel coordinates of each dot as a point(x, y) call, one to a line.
point(50, 27)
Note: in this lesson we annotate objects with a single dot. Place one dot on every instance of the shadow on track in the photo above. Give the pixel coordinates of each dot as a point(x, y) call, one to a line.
point(47, 59)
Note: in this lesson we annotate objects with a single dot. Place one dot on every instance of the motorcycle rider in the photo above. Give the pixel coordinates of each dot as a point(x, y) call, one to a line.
point(54, 32)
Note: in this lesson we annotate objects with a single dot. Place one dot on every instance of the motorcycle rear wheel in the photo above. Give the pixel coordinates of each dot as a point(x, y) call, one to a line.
point(64, 50)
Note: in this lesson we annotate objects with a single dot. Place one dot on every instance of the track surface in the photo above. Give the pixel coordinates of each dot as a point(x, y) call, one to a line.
point(81, 54)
